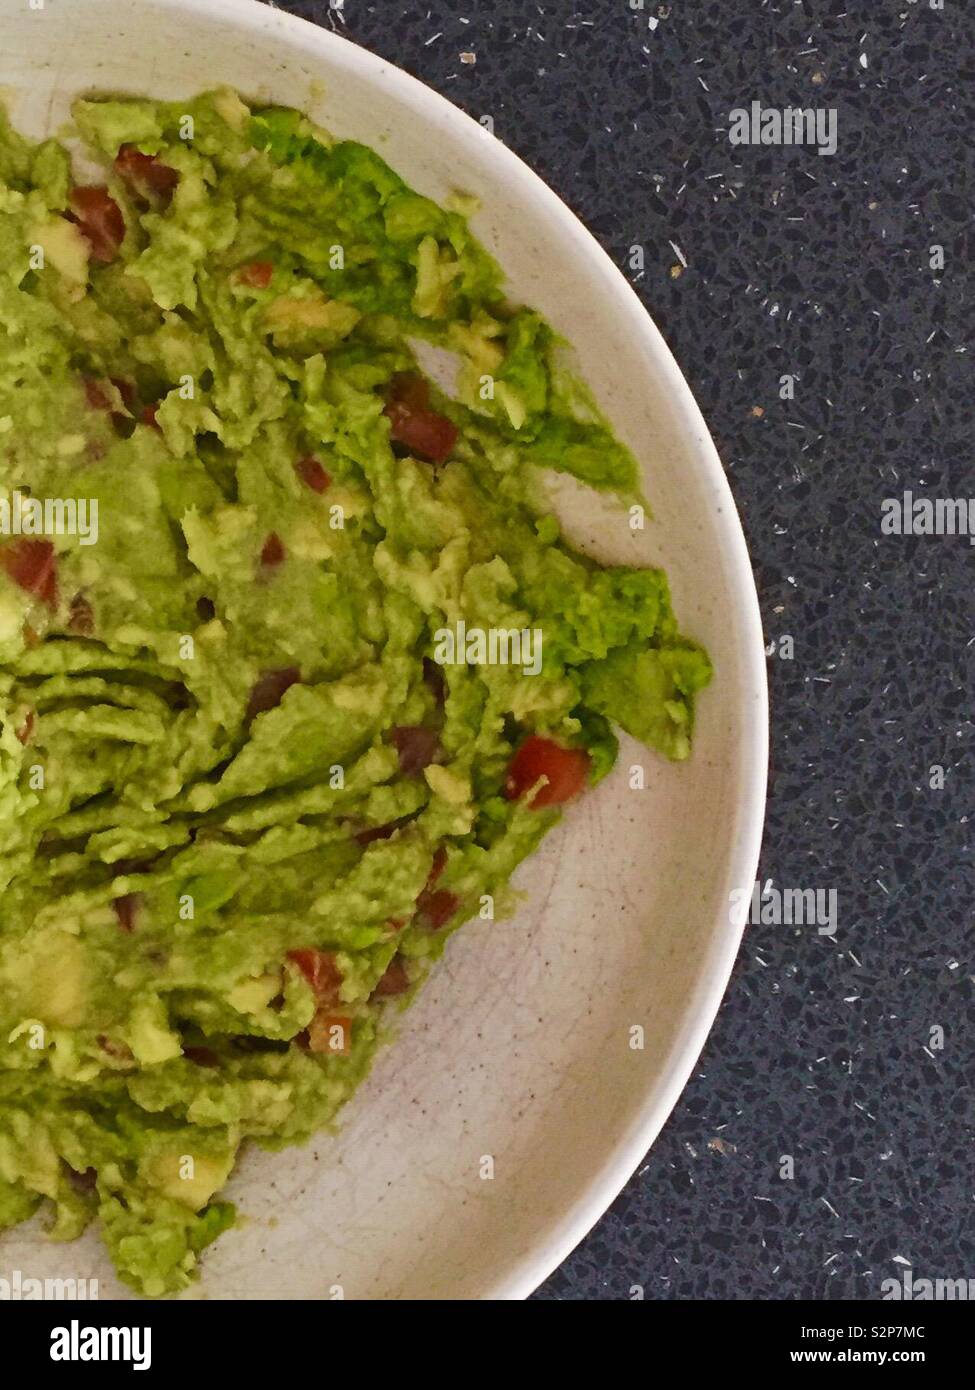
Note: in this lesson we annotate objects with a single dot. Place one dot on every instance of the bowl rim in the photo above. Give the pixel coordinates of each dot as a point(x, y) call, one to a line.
point(420, 100)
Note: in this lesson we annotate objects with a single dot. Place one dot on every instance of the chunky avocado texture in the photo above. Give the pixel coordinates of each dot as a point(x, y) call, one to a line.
point(242, 802)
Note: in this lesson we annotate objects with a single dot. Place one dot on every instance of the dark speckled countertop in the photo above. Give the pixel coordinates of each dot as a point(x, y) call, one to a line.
point(817, 268)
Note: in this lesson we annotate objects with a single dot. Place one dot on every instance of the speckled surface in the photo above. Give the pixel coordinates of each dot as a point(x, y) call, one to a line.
point(818, 268)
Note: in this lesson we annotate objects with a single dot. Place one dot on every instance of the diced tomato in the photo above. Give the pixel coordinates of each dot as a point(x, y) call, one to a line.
point(272, 552)
point(99, 396)
point(27, 728)
point(396, 923)
point(437, 867)
point(378, 832)
point(134, 866)
point(127, 910)
point(81, 618)
point(126, 390)
point(410, 391)
point(394, 981)
point(100, 219)
point(146, 176)
point(414, 424)
point(331, 1034)
point(269, 690)
point(148, 417)
point(435, 681)
point(256, 275)
point(417, 747)
point(95, 394)
point(375, 832)
point(565, 771)
point(202, 1056)
point(310, 471)
point(320, 970)
point(33, 565)
point(436, 908)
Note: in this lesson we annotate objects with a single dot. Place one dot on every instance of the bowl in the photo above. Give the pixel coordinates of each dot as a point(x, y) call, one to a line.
point(545, 1053)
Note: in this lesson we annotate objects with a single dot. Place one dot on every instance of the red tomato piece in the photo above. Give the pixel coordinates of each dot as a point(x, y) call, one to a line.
point(379, 832)
point(95, 394)
point(320, 970)
point(330, 1034)
point(269, 690)
point(146, 176)
point(127, 910)
point(414, 424)
point(100, 219)
point(311, 472)
point(410, 391)
point(436, 908)
point(33, 565)
point(435, 681)
point(256, 274)
point(394, 981)
point(272, 552)
point(437, 867)
point(565, 771)
point(417, 747)
point(126, 390)
point(100, 397)
point(201, 1056)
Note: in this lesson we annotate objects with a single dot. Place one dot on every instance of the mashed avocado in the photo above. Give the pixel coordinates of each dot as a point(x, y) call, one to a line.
point(245, 794)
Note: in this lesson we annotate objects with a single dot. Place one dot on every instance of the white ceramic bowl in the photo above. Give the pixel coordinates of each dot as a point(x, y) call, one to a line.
point(519, 1047)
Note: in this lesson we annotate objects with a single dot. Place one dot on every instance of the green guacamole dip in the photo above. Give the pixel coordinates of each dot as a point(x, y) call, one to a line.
point(243, 798)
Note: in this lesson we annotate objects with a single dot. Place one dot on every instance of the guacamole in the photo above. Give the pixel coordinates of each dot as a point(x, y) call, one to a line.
point(295, 666)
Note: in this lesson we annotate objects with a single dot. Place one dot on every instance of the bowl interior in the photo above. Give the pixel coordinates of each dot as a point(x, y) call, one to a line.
point(521, 1046)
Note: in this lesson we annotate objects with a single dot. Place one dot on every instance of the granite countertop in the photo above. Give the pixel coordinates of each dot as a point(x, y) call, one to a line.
point(817, 268)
